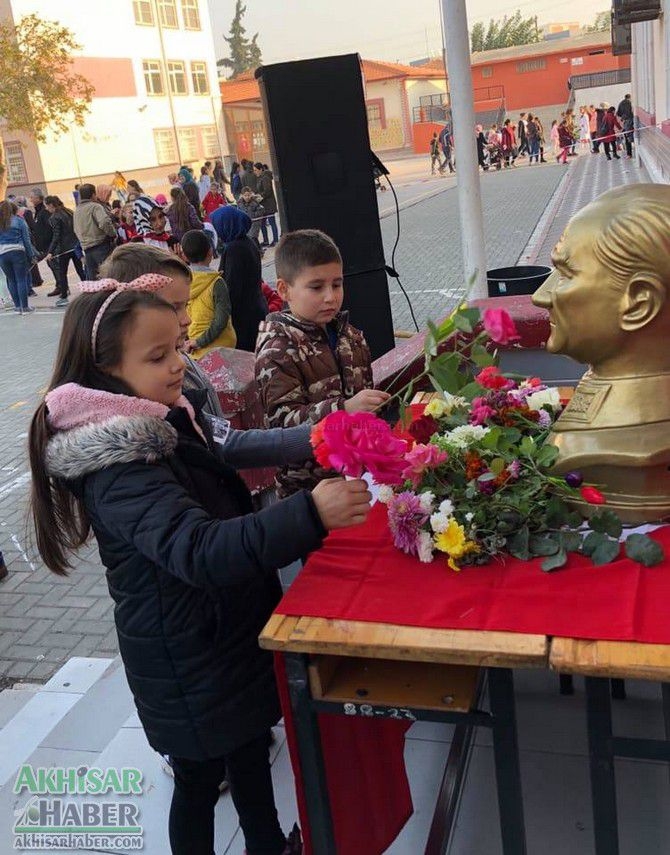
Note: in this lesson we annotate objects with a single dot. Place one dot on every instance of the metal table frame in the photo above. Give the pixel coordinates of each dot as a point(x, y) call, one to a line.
point(501, 720)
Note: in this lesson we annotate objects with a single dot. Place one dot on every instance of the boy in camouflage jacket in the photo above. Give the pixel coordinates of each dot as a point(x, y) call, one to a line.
point(310, 361)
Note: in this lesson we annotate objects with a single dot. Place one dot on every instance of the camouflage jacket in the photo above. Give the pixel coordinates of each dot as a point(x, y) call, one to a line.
point(301, 379)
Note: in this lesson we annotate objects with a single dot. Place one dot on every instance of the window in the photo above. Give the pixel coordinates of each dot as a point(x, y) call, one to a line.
point(166, 145)
point(153, 77)
point(143, 12)
point(167, 14)
point(199, 78)
point(177, 77)
point(209, 141)
point(189, 9)
point(16, 165)
point(531, 65)
point(488, 71)
point(376, 113)
point(188, 144)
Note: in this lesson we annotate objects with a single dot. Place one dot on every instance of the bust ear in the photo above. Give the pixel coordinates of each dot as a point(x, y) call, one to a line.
point(642, 301)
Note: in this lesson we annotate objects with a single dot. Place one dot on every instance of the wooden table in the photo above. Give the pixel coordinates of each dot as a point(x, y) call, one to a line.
point(598, 662)
point(404, 672)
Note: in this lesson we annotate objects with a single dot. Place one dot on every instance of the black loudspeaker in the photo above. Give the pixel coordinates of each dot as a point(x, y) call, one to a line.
point(320, 149)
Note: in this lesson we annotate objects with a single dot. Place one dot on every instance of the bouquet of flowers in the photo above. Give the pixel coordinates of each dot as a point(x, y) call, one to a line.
point(471, 479)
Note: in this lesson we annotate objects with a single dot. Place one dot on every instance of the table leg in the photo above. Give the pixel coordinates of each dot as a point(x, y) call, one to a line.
point(506, 753)
point(601, 760)
point(665, 694)
point(312, 766)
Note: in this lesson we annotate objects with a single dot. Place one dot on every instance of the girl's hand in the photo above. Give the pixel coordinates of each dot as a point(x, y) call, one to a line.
point(189, 345)
point(366, 401)
point(342, 503)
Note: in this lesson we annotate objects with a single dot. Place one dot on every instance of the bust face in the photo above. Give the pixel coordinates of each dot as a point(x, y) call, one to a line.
point(583, 301)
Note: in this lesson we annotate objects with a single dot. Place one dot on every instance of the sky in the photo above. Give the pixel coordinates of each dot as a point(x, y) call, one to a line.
point(394, 30)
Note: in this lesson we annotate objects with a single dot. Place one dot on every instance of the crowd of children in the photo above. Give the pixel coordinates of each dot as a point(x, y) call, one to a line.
point(127, 443)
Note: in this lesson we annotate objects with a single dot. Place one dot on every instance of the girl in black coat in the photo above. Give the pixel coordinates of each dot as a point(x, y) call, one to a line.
point(117, 448)
point(62, 246)
point(240, 266)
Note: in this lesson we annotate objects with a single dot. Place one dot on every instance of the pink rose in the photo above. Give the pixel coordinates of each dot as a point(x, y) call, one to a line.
point(480, 412)
point(500, 326)
point(420, 459)
point(359, 442)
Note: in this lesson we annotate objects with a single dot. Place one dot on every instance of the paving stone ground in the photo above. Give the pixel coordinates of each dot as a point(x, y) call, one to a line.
point(45, 620)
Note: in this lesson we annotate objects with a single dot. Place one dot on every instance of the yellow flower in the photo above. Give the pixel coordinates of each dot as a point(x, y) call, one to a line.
point(437, 408)
point(454, 542)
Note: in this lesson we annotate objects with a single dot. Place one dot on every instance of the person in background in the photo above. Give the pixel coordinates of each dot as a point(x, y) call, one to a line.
point(272, 297)
point(480, 141)
point(3, 568)
point(41, 230)
point(611, 125)
point(16, 256)
point(241, 268)
point(249, 176)
point(310, 361)
point(625, 113)
point(434, 150)
point(75, 194)
point(209, 305)
point(116, 212)
point(532, 139)
point(205, 182)
point(600, 126)
point(103, 193)
point(541, 137)
point(565, 141)
point(62, 246)
point(94, 229)
point(160, 235)
point(161, 199)
point(181, 214)
point(573, 130)
point(143, 205)
point(250, 204)
point(23, 211)
point(553, 136)
point(593, 127)
point(126, 229)
point(508, 143)
point(521, 135)
point(189, 187)
point(235, 181)
point(584, 129)
point(446, 142)
point(120, 186)
point(213, 200)
point(134, 187)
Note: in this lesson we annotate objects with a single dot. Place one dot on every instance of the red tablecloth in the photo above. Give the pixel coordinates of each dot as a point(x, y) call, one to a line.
point(359, 575)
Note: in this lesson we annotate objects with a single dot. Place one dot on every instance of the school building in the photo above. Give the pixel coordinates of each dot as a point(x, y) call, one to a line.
point(156, 103)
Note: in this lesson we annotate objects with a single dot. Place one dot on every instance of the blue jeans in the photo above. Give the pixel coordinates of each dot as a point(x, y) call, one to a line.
point(14, 265)
point(269, 220)
point(534, 148)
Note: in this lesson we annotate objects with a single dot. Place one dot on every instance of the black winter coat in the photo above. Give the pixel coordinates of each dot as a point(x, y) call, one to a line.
point(267, 193)
point(192, 573)
point(240, 266)
point(41, 228)
point(63, 237)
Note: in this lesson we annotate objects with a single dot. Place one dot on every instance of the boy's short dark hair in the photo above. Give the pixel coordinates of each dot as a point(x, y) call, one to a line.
point(196, 246)
point(131, 260)
point(304, 248)
point(86, 191)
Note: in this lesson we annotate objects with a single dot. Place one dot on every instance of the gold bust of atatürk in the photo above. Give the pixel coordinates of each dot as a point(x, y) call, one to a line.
point(609, 307)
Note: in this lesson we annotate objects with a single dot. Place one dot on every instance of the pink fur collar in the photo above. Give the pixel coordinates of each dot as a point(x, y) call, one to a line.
point(71, 406)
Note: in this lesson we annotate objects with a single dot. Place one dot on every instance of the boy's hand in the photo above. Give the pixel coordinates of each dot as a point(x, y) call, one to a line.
point(341, 503)
point(366, 401)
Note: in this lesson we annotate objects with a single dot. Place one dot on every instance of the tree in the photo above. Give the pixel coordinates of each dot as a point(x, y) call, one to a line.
point(504, 32)
point(39, 90)
point(601, 23)
point(245, 53)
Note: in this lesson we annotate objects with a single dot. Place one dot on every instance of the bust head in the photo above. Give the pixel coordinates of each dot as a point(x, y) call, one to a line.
point(609, 295)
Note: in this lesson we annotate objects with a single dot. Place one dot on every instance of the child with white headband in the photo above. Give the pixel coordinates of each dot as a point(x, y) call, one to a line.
point(117, 448)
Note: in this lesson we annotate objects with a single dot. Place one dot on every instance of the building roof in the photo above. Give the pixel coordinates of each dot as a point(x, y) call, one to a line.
point(244, 87)
point(580, 42)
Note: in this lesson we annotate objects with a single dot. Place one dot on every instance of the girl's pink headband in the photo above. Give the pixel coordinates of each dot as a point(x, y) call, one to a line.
point(146, 282)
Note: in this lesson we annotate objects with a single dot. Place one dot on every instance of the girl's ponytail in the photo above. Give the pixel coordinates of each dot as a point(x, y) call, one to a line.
point(60, 521)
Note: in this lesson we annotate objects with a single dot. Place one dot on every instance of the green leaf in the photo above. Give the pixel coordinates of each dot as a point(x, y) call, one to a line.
point(575, 519)
point(605, 552)
point(540, 545)
point(481, 357)
point(571, 541)
point(606, 521)
point(445, 329)
point(431, 340)
point(592, 541)
point(434, 383)
point(557, 513)
point(640, 547)
point(470, 390)
point(553, 562)
point(490, 440)
point(462, 323)
point(472, 313)
point(527, 447)
point(517, 544)
point(497, 465)
point(547, 455)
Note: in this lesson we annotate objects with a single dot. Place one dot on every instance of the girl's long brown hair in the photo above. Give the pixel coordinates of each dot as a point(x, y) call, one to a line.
point(6, 214)
point(179, 208)
point(59, 515)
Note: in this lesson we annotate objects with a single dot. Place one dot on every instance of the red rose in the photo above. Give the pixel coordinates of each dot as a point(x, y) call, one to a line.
point(500, 326)
point(491, 378)
point(423, 428)
point(592, 496)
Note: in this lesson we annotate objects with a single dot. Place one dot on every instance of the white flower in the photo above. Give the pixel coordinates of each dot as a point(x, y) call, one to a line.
point(385, 494)
point(444, 406)
point(469, 516)
point(427, 500)
point(544, 398)
point(465, 435)
point(439, 522)
point(425, 547)
point(446, 507)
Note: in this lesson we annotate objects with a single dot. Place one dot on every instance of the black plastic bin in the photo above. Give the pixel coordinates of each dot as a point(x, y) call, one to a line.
point(510, 281)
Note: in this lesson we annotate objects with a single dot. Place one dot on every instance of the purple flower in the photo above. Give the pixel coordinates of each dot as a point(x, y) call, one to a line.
point(406, 519)
point(514, 469)
point(574, 479)
point(544, 419)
